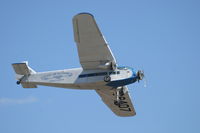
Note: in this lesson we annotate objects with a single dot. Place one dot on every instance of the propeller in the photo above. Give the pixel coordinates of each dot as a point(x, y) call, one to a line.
point(140, 75)
point(145, 82)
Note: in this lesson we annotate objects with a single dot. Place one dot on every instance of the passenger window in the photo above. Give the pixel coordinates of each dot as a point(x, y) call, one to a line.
point(112, 73)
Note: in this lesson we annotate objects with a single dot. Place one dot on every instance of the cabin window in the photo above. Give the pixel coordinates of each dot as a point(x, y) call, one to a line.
point(98, 74)
point(92, 74)
point(112, 72)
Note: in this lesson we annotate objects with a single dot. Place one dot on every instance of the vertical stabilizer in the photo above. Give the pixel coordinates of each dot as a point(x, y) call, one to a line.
point(23, 68)
point(22, 71)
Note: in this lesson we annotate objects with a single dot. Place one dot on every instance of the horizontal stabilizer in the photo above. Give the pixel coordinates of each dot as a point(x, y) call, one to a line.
point(28, 85)
point(23, 68)
point(23, 71)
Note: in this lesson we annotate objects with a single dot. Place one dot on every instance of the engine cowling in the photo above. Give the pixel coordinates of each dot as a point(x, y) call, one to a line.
point(140, 75)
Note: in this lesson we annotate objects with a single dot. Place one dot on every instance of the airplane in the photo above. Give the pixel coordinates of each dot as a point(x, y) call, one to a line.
point(99, 71)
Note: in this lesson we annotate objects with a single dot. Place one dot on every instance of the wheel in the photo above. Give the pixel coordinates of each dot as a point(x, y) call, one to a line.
point(18, 82)
point(107, 78)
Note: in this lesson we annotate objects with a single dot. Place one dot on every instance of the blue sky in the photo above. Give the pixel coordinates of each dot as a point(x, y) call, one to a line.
point(162, 37)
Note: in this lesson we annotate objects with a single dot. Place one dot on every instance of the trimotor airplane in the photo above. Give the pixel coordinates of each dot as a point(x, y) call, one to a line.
point(99, 70)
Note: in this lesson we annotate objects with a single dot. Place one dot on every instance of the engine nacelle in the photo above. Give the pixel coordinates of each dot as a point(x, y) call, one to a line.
point(108, 65)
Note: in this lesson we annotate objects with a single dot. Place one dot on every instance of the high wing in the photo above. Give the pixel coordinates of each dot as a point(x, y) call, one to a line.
point(93, 50)
point(125, 108)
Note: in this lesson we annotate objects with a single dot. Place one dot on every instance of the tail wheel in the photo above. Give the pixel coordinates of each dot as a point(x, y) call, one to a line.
point(107, 78)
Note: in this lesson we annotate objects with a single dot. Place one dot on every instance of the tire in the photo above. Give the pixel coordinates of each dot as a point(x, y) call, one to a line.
point(107, 78)
point(18, 82)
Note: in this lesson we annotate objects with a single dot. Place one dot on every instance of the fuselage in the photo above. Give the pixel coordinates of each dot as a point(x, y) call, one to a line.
point(78, 78)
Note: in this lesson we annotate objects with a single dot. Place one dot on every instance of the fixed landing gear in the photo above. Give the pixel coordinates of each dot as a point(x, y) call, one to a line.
point(107, 78)
point(120, 92)
point(18, 82)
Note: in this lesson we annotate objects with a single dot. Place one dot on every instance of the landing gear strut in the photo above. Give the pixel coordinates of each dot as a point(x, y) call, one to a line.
point(120, 92)
point(19, 81)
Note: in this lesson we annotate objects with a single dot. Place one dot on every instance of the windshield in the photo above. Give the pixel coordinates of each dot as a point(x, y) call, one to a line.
point(123, 67)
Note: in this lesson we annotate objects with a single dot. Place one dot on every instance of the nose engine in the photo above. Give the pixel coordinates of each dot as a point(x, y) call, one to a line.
point(140, 75)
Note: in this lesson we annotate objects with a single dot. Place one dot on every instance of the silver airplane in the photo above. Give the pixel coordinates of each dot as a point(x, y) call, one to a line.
point(99, 70)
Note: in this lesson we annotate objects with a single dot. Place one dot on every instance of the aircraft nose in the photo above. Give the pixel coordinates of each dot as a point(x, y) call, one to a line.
point(140, 74)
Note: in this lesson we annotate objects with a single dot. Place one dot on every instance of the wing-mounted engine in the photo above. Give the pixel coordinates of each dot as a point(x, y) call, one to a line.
point(108, 65)
point(113, 65)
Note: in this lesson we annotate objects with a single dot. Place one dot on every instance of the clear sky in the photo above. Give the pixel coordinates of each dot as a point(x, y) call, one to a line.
point(162, 37)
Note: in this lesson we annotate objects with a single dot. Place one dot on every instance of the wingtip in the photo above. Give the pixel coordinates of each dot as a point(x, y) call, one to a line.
point(84, 13)
point(23, 62)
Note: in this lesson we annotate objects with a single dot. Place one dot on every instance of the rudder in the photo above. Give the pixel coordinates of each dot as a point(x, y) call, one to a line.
point(23, 70)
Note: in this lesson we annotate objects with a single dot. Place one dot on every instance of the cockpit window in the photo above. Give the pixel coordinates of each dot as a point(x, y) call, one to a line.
point(122, 68)
point(115, 72)
point(98, 74)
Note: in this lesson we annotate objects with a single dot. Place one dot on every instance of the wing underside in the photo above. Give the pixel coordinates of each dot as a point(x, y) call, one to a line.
point(125, 108)
point(93, 49)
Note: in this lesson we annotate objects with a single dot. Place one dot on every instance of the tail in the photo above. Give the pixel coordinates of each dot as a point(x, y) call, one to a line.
point(22, 71)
